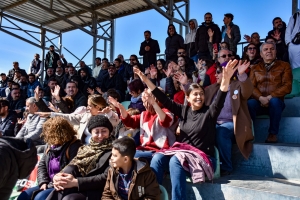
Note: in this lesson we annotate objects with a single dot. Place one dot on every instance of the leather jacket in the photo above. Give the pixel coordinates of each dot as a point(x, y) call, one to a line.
point(275, 81)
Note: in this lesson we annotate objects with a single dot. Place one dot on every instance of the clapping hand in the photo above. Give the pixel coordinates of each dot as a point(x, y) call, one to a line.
point(55, 92)
point(228, 71)
point(181, 78)
point(153, 72)
point(243, 66)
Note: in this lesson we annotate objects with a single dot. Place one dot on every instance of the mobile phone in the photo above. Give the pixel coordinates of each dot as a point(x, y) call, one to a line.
point(215, 47)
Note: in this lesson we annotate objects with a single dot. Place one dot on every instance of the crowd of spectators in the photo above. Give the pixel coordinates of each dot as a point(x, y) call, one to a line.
point(203, 95)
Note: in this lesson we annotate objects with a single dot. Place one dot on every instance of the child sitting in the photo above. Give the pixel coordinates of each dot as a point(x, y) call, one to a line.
point(129, 176)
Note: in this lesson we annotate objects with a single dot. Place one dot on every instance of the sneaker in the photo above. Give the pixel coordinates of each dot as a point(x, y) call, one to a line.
point(272, 138)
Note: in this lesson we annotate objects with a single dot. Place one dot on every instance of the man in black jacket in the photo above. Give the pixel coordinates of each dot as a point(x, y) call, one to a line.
point(278, 33)
point(73, 92)
point(18, 158)
point(148, 49)
point(112, 80)
point(202, 37)
point(51, 58)
point(9, 119)
point(87, 81)
point(11, 73)
point(173, 42)
point(17, 104)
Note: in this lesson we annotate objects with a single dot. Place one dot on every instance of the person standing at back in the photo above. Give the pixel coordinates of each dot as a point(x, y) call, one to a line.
point(189, 41)
point(230, 32)
point(149, 48)
point(202, 37)
point(174, 41)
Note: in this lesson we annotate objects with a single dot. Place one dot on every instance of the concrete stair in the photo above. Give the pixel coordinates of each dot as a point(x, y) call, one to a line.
point(242, 187)
point(266, 160)
point(271, 172)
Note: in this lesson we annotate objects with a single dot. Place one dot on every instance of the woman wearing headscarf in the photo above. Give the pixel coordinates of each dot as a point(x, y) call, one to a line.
point(85, 176)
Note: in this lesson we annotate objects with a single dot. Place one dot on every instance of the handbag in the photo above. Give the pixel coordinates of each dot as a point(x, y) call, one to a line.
point(296, 39)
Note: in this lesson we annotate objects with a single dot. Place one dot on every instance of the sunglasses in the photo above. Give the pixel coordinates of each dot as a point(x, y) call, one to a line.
point(251, 48)
point(180, 52)
point(218, 71)
point(224, 56)
point(131, 59)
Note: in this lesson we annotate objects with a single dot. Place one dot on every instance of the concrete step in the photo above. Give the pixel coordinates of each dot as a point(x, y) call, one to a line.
point(288, 130)
point(266, 160)
point(292, 107)
point(245, 187)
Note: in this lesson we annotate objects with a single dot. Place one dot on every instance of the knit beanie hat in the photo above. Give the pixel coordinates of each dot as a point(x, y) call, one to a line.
point(99, 121)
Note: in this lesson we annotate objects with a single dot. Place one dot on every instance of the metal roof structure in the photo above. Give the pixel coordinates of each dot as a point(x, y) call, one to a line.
point(94, 17)
point(66, 15)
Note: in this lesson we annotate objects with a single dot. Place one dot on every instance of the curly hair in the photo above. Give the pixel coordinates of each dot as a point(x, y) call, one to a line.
point(57, 131)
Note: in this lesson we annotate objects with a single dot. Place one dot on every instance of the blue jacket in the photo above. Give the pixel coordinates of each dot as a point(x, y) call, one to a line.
point(31, 87)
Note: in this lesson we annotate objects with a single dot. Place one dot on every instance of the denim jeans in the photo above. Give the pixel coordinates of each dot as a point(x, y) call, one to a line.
point(224, 137)
point(274, 111)
point(27, 194)
point(161, 163)
point(144, 154)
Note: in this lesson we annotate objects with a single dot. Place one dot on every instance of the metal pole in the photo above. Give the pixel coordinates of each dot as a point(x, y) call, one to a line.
point(170, 11)
point(42, 40)
point(1, 18)
point(294, 6)
point(112, 42)
point(60, 43)
point(95, 31)
point(187, 15)
point(105, 48)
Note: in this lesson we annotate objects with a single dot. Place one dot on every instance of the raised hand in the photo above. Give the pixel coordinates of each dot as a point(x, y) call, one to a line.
point(228, 71)
point(243, 66)
point(199, 64)
point(105, 110)
point(247, 38)
point(210, 33)
point(55, 92)
point(114, 102)
point(91, 91)
point(148, 97)
point(168, 72)
point(99, 90)
point(181, 78)
point(36, 93)
point(138, 72)
point(276, 35)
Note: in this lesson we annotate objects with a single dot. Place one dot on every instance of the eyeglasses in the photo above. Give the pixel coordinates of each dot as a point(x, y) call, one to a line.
point(224, 56)
point(218, 71)
point(251, 48)
point(180, 52)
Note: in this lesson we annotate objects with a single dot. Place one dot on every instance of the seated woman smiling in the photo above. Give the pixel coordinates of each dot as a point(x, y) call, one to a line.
point(85, 176)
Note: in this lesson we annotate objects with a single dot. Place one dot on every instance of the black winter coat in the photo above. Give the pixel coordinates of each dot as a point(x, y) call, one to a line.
point(18, 158)
point(69, 148)
point(55, 59)
point(202, 38)
point(173, 43)
point(149, 57)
